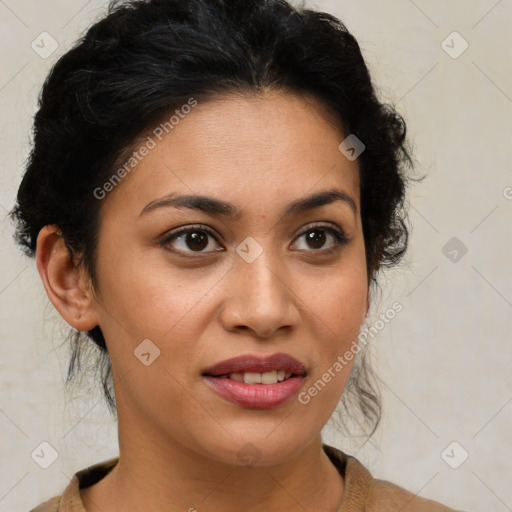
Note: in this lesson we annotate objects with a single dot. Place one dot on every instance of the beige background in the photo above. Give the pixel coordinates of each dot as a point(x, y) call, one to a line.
point(445, 360)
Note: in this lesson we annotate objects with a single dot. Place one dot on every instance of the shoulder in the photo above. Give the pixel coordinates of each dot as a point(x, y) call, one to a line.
point(384, 496)
point(365, 493)
point(52, 505)
point(70, 499)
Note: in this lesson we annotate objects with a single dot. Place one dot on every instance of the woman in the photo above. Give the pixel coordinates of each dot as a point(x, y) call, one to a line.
point(212, 191)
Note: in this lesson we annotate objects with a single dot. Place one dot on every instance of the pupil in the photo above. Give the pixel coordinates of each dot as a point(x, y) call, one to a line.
point(316, 237)
point(197, 241)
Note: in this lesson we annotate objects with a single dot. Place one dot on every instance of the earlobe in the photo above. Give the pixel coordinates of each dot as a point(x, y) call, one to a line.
point(62, 281)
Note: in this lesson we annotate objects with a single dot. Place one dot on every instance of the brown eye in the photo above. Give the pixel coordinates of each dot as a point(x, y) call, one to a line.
point(317, 237)
point(194, 239)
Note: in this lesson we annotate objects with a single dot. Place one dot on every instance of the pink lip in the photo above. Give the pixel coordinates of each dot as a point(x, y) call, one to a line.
point(257, 364)
point(256, 396)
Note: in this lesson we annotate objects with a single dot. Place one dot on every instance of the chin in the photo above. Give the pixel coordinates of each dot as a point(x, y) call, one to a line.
point(258, 450)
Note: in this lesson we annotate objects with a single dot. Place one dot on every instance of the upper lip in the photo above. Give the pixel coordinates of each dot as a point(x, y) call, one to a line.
point(257, 364)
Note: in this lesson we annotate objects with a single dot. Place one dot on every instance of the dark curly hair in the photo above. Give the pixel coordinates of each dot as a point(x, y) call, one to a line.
point(143, 60)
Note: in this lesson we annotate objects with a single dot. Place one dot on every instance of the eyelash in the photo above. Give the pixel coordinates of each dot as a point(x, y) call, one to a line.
point(339, 237)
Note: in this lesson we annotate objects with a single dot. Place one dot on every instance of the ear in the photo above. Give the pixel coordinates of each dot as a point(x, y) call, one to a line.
point(66, 285)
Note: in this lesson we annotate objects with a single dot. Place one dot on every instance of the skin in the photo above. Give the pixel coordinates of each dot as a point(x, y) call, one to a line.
point(178, 438)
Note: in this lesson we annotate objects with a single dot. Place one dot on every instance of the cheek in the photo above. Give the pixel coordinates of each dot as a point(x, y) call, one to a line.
point(341, 311)
point(149, 296)
point(338, 298)
point(338, 306)
point(156, 315)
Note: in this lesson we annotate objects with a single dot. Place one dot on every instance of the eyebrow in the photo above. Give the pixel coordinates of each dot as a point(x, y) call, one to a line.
point(212, 206)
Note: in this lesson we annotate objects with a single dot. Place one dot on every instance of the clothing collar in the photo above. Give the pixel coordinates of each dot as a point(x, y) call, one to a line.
point(356, 477)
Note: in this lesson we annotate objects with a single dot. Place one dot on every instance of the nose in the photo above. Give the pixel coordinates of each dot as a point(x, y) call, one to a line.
point(261, 299)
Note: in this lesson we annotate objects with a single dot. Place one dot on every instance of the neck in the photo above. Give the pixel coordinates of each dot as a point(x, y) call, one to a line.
point(158, 474)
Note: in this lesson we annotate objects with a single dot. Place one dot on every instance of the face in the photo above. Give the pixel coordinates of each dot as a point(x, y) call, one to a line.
point(184, 287)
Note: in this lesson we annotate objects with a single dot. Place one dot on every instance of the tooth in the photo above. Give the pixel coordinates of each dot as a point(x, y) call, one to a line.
point(252, 378)
point(281, 375)
point(288, 375)
point(269, 377)
point(236, 376)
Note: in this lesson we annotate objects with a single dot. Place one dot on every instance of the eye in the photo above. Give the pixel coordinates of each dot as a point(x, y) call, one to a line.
point(193, 239)
point(196, 239)
point(317, 235)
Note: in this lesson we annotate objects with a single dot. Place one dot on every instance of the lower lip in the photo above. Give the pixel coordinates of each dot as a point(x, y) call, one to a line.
point(256, 396)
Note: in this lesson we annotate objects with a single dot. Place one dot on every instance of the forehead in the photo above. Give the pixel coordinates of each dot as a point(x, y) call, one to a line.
point(272, 146)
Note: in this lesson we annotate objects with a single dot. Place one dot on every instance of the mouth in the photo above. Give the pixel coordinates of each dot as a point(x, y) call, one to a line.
point(256, 381)
point(270, 377)
point(257, 369)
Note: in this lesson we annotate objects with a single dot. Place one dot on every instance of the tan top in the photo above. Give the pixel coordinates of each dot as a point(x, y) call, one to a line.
point(363, 493)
